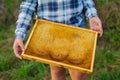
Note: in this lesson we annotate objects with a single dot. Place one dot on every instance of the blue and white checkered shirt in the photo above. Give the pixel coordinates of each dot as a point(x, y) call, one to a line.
point(69, 12)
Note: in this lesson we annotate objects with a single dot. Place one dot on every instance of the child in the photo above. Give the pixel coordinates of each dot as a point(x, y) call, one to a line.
point(69, 12)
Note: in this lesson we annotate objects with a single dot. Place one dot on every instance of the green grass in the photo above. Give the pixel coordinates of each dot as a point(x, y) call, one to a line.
point(106, 65)
point(107, 58)
point(13, 68)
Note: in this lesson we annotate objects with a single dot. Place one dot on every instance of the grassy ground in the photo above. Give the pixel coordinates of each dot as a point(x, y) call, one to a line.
point(107, 62)
point(107, 59)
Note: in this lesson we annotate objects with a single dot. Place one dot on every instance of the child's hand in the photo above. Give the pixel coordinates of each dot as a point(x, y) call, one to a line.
point(18, 47)
point(95, 24)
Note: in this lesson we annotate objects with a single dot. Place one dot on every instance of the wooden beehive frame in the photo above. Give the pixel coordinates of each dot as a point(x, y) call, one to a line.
point(35, 58)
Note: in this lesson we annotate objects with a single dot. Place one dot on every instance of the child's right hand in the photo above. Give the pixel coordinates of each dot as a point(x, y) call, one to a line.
point(18, 47)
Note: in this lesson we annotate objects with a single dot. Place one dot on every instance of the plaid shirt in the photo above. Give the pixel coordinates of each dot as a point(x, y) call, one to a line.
point(69, 12)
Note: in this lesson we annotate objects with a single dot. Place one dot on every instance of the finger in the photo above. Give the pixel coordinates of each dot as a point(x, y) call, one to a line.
point(22, 46)
point(101, 30)
point(15, 47)
point(17, 52)
point(101, 33)
point(94, 26)
point(18, 56)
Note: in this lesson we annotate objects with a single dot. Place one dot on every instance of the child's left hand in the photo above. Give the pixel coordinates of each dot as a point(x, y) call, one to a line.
point(96, 25)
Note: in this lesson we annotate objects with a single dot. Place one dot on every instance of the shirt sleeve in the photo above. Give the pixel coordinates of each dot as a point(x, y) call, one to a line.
point(89, 8)
point(27, 9)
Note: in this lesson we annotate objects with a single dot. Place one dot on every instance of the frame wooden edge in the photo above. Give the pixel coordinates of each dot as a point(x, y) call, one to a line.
point(76, 27)
point(93, 57)
point(30, 37)
point(33, 58)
